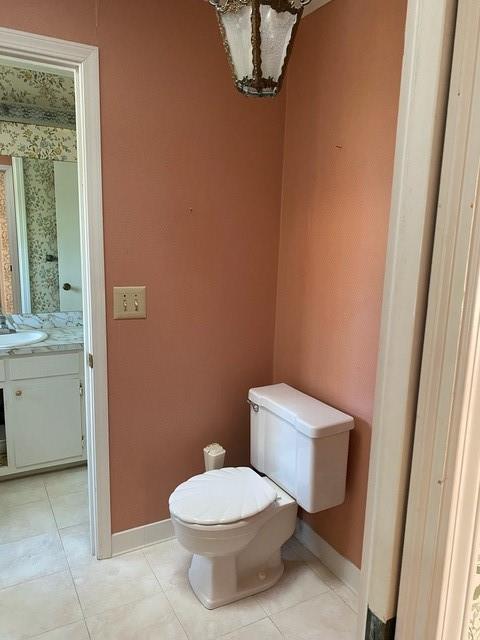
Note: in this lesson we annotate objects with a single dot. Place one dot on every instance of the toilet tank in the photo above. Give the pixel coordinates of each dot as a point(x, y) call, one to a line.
point(301, 444)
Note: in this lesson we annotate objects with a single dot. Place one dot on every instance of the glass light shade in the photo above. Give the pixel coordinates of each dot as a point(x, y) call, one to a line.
point(276, 33)
point(237, 26)
point(258, 36)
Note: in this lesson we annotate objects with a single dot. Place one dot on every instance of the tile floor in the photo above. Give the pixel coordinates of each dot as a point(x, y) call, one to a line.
point(52, 589)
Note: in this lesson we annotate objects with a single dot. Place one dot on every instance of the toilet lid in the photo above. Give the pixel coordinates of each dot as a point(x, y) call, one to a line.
point(222, 496)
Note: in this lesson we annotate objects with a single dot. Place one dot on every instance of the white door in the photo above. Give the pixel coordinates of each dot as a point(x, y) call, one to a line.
point(45, 417)
point(68, 236)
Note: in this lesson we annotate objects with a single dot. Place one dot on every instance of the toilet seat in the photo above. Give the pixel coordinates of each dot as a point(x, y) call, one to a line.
point(223, 496)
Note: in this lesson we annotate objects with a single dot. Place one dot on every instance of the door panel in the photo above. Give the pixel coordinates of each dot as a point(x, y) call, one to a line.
point(68, 235)
point(47, 419)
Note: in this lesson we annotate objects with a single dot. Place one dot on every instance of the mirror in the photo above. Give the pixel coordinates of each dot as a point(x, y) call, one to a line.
point(40, 266)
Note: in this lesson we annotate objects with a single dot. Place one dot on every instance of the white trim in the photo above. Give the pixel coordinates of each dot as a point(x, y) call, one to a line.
point(22, 237)
point(440, 543)
point(83, 61)
point(345, 570)
point(87, 92)
point(161, 531)
point(45, 68)
point(420, 135)
point(143, 536)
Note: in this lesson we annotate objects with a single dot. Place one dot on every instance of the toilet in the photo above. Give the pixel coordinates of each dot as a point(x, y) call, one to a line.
point(235, 520)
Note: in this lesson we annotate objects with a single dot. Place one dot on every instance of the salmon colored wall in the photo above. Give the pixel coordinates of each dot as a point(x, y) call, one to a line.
point(342, 101)
point(192, 184)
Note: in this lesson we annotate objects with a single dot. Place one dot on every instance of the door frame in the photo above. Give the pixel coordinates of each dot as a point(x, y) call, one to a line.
point(82, 60)
point(443, 510)
point(429, 35)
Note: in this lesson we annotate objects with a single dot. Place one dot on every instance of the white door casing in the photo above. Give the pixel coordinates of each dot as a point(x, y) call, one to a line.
point(442, 521)
point(82, 60)
point(420, 135)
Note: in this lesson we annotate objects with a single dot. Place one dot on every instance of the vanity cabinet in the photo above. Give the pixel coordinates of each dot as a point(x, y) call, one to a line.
point(43, 402)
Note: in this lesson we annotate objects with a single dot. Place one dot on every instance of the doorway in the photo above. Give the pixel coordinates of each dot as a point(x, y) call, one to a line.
point(47, 55)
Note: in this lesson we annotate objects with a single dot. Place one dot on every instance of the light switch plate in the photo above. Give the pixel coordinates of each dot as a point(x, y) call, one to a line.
point(129, 302)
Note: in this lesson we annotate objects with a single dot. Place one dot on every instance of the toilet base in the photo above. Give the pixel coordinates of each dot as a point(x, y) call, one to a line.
point(223, 575)
point(231, 562)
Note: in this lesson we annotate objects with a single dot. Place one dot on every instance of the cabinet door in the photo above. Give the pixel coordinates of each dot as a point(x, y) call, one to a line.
point(44, 417)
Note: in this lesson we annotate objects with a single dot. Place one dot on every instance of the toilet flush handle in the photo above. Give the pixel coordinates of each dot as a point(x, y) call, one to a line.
point(254, 406)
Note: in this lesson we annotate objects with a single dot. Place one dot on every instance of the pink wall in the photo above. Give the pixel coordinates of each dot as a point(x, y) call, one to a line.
point(342, 101)
point(192, 184)
point(192, 193)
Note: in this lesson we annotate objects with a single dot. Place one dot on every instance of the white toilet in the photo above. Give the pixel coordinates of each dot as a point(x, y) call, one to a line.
point(235, 520)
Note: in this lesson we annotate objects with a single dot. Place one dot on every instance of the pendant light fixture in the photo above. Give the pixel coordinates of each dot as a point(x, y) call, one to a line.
point(258, 36)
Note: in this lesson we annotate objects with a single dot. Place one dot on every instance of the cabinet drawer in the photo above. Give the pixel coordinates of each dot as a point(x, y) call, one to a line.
point(44, 366)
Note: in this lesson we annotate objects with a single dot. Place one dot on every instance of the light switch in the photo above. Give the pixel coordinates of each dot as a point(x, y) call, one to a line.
point(129, 302)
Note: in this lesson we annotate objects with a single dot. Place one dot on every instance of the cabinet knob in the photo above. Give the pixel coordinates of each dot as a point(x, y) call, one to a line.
point(18, 392)
point(67, 286)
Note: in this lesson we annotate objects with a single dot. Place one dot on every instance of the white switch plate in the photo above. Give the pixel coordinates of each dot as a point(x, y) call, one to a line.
point(129, 302)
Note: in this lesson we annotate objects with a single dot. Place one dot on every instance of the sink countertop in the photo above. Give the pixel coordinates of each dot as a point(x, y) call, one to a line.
point(59, 339)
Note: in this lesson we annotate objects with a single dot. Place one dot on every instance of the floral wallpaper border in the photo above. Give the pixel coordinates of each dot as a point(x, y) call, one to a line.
point(27, 114)
point(37, 97)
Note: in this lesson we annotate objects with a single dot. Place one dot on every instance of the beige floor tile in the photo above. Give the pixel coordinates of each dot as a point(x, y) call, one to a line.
point(58, 483)
point(26, 520)
point(70, 509)
point(298, 583)
point(31, 558)
point(325, 617)
point(76, 542)
point(262, 630)
point(169, 561)
point(149, 619)
point(202, 624)
point(75, 631)
point(105, 584)
point(37, 606)
point(315, 564)
point(22, 491)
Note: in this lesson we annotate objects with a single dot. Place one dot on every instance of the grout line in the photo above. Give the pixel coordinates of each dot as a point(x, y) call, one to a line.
point(245, 626)
point(70, 570)
point(163, 590)
point(46, 575)
point(53, 512)
point(276, 626)
point(73, 582)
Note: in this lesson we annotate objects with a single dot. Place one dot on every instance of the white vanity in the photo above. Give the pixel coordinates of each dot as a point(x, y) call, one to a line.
point(44, 409)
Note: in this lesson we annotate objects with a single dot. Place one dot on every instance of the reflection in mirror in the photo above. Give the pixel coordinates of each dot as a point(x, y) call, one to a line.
point(39, 236)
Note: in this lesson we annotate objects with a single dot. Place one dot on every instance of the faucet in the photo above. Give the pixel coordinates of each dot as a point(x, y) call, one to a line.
point(4, 328)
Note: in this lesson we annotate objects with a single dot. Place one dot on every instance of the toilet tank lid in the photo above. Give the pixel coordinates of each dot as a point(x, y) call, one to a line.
point(311, 417)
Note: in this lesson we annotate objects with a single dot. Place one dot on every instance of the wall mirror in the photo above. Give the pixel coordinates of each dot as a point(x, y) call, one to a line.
point(40, 269)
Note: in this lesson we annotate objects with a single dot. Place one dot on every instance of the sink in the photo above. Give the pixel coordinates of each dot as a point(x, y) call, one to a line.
point(21, 338)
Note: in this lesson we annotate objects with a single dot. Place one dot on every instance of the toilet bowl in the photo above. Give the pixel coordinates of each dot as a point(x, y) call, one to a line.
point(234, 520)
point(240, 557)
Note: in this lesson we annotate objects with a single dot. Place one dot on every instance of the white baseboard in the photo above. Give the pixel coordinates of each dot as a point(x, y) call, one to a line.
point(338, 565)
point(132, 539)
point(139, 537)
